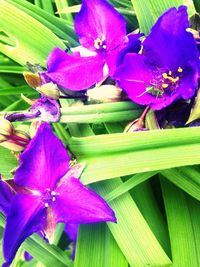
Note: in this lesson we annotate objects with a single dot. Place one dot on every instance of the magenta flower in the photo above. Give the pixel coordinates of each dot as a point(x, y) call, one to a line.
point(168, 68)
point(47, 192)
point(102, 35)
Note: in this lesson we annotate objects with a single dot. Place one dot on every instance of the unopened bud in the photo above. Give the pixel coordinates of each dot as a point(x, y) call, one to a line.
point(136, 125)
point(9, 144)
point(104, 94)
point(22, 135)
point(49, 89)
point(32, 79)
point(6, 127)
point(2, 138)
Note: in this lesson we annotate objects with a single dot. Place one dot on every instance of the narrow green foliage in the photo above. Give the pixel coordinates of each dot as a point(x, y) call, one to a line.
point(23, 28)
point(8, 162)
point(187, 178)
point(129, 184)
point(183, 214)
point(96, 247)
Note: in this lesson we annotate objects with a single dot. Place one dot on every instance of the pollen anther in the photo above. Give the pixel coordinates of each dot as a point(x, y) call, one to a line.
point(53, 193)
point(53, 199)
point(165, 85)
point(165, 76)
point(180, 69)
point(46, 205)
point(100, 43)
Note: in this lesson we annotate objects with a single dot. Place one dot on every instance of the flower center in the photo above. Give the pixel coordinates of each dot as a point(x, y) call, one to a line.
point(100, 43)
point(165, 83)
point(49, 197)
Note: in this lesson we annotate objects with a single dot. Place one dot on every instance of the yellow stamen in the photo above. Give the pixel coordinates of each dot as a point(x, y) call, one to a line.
point(180, 69)
point(97, 43)
point(165, 76)
point(165, 85)
point(174, 80)
point(170, 72)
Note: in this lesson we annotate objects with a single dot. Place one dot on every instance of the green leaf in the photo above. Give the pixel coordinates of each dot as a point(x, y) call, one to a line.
point(129, 184)
point(113, 155)
point(8, 162)
point(139, 249)
point(22, 28)
point(58, 26)
point(183, 215)
point(187, 178)
point(97, 247)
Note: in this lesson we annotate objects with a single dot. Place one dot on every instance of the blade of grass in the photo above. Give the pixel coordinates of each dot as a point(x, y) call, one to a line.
point(61, 5)
point(129, 184)
point(41, 39)
point(97, 247)
point(183, 225)
point(187, 178)
point(55, 24)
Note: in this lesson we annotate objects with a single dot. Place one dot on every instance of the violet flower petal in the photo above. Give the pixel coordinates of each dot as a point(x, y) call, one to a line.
point(98, 19)
point(6, 195)
point(115, 57)
point(169, 44)
point(73, 71)
point(25, 217)
point(133, 76)
point(44, 161)
point(76, 204)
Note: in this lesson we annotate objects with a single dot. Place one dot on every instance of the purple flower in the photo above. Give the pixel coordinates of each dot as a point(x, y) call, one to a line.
point(48, 192)
point(167, 69)
point(102, 34)
point(45, 109)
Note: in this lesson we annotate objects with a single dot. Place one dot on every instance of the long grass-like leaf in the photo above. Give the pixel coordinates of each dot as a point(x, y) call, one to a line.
point(40, 39)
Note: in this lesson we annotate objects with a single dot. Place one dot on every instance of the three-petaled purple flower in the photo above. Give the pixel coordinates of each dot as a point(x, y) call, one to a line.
point(168, 68)
point(45, 191)
point(102, 35)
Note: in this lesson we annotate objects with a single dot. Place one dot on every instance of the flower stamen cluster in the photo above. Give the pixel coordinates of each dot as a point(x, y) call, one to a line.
point(100, 43)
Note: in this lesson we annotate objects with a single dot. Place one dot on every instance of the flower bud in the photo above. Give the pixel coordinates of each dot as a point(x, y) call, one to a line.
point(22, 135)
point(32, 79)
point(136, 125)
point(49, 89)
point(6, 127)
point(104, 94)
point(9, 144)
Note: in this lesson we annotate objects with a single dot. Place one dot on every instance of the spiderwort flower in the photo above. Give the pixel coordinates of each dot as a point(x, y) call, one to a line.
point(47, 192)
point(167, 69)
point(102, 35)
